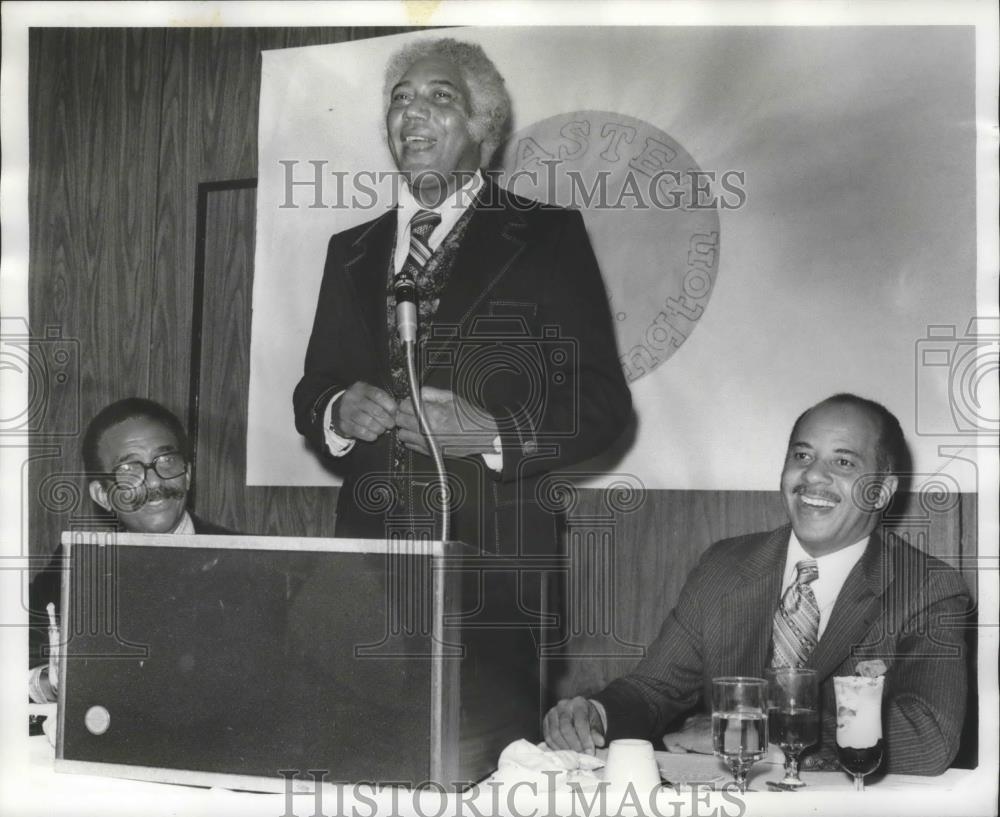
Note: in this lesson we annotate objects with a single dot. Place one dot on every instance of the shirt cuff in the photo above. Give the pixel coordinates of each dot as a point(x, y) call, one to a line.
point(493, 461)
point(337, 446)
point(602, 712)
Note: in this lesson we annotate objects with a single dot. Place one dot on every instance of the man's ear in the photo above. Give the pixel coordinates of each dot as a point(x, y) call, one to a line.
point(890, 482)
point(99, 494)
point(187, 477)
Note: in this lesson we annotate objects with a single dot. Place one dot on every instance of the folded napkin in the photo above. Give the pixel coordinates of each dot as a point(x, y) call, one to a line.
point(546, 769)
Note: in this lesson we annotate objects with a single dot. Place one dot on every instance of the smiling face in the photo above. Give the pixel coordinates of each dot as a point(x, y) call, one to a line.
point(155, 505)
point(428, 128)
point(831, 448)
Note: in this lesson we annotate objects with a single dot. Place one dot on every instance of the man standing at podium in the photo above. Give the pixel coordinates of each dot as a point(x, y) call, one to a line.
point(519, 376)
point(520, 369)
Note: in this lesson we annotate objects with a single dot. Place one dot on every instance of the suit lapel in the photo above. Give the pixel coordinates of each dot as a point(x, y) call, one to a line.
point(367, 268)
point(856, 609)
point(493, 240)
point(746, 614)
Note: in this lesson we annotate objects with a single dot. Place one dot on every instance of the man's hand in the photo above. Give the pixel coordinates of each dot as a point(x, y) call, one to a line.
point(574, 723)
point(364, 412)
point(460, 427)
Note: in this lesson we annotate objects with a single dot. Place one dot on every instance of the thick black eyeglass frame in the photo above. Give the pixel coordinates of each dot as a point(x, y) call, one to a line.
point(121, 475)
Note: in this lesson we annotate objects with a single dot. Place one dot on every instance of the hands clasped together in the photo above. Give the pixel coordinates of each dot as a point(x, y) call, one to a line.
point(365, 412)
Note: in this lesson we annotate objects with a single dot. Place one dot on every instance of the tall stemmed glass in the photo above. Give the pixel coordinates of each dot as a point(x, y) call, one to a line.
point(739, 723)
point(859, 725)
point(792, 715)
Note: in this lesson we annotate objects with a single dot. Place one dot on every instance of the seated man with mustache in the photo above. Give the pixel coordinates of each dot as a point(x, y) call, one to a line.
point(135, 451)
point(865, 596)
point(212, 618)
point(136, 457)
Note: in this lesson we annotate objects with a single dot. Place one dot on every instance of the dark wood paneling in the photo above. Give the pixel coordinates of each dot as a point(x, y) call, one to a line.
point(220, 464)
point(969, 539)
point(94, 122)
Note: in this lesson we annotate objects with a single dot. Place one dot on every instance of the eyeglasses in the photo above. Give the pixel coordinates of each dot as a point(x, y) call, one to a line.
point(166, 466)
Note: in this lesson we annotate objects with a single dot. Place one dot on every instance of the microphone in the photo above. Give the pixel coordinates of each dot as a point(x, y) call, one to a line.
point(405, 289)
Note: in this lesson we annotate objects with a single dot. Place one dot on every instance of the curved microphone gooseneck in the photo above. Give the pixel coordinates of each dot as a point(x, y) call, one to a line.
point(405, 289)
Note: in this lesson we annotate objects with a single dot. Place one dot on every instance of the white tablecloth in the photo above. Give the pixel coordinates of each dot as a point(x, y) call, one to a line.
point(45, 792)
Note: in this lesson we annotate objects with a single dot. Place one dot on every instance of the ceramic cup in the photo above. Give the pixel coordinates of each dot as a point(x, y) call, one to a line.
point(632, 762)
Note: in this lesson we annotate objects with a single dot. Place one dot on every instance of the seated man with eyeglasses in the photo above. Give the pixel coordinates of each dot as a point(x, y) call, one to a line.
point(217, 616)
point(135, 454)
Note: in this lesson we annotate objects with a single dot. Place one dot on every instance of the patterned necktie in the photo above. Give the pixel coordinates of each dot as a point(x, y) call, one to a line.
point(796, 621)
point(421, 226)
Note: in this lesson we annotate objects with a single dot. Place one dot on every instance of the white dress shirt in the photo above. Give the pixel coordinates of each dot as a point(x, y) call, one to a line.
point(451, 210)
point(833, 569)
point(185, 526)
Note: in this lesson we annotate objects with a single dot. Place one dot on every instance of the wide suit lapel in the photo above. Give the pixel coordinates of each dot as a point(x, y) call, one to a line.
point(366, 267)
point(856, 609)
point(746, 613)
point(493, 241)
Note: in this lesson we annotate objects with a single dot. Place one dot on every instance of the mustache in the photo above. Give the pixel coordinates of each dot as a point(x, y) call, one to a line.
point(817, 492)
point(134, 499)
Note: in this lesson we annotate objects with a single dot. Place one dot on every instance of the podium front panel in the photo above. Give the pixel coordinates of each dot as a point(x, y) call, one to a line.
point(243, 661)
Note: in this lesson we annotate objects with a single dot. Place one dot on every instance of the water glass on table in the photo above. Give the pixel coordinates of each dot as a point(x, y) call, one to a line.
point(792, 715)
point(859, 725)
point(739, 723)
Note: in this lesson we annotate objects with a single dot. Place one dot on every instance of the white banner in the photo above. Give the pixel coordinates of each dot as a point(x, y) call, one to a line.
point(815, 233)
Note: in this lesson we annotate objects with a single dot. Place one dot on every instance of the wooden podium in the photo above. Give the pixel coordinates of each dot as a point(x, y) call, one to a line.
point(247, 662)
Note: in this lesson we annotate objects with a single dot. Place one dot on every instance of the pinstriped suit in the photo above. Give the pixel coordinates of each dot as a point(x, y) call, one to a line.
point(894, 605)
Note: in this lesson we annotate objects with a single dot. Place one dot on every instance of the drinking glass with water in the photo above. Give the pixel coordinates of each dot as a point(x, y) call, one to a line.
point(739, 723)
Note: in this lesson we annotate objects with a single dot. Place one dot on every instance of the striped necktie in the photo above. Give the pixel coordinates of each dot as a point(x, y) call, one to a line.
point(796, 621)
point(421, 226)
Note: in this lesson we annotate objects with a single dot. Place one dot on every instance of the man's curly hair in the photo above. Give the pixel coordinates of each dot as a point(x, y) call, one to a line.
point(489, 117)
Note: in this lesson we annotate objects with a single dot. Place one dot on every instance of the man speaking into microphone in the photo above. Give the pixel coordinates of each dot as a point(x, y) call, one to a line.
point(517, 358)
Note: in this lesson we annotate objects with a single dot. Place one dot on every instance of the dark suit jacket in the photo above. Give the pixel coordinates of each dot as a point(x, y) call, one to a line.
point(523, 330)
point(897, 604)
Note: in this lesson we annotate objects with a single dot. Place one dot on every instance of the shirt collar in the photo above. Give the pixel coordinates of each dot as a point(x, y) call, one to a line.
point(451, 208)
point(833, 566)
point(185, 526)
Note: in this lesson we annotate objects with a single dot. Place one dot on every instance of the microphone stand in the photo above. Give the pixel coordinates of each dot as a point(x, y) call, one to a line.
point(406, 321)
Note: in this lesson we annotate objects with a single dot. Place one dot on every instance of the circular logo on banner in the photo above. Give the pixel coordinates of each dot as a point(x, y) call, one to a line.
point(651, 213)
